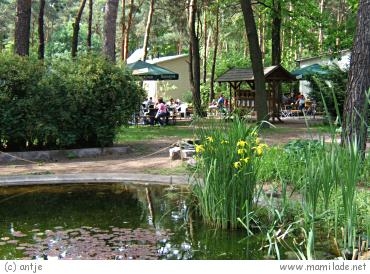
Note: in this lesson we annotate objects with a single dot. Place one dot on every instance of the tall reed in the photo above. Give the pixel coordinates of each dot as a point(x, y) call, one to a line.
point(227, 162)
point(351, 162)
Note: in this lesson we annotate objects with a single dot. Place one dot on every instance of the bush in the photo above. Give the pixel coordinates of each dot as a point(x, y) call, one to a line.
point(65, 104)
point(19, 78)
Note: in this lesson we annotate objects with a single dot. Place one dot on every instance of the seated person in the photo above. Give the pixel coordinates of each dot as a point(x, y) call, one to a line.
point(213, 107)
point(172, 107)
point(213, 104)
point(162, 112)
point(171, 102)
point(150, 114)
point(149, 103)
point(301, 102)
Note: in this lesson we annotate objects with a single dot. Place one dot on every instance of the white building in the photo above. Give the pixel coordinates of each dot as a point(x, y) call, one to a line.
point(342, 61)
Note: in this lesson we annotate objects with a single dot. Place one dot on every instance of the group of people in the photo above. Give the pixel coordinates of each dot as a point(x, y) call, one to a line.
point(301, 103)
point(160, 112)
point(299, 100)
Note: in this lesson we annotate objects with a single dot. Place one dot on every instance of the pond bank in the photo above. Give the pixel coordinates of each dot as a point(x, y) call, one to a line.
point(17, 180)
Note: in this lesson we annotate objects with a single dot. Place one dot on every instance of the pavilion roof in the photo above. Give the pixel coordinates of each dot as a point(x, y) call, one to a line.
point(246, 74)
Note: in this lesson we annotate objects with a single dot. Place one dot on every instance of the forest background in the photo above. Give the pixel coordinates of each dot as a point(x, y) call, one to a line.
point(292, 29)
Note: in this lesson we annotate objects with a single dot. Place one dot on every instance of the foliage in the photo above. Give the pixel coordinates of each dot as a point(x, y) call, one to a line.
point(19, 78)
point(329, 90)
point(60, 42)
point(327, 177)
point(68, 103)
point(227, 161)
point(301, 23)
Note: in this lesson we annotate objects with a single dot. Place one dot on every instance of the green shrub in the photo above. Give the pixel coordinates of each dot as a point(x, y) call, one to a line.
point(18, 83)
point(65, 104)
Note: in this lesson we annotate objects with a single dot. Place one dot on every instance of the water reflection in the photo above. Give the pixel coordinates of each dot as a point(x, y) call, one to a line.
point(109, 221)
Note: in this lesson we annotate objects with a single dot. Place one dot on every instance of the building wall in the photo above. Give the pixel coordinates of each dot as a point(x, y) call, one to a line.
point(173, 88)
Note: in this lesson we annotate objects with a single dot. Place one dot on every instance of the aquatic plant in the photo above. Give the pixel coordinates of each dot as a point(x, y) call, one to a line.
point(227, 162)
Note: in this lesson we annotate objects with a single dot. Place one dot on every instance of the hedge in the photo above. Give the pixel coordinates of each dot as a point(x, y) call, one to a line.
point(63, 104)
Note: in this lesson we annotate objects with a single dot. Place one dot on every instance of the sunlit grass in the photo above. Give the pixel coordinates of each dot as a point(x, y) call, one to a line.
point(170, 170)
point(142, 133)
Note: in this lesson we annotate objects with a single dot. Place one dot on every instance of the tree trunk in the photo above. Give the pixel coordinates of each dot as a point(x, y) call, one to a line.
point(194, 59)
point(261, 34)
point(275, 33)
point(110, 19)
point(321, 32)
point(89, 27)
point(147, 29)
point(215, 48)
point(22, 27)
point(127, 31)
point(356, 106)
point(205, 49)
point(256, 58)
point(41, 51)
point(76, 28)
point(276, 55)
point(123, 30)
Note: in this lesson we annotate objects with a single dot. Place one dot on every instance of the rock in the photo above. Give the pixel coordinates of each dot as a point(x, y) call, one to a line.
point(175, 153)
point(191, 162)
point(187, 153)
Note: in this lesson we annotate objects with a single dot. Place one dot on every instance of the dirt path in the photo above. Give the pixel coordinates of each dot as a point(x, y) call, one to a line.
point(150, 157)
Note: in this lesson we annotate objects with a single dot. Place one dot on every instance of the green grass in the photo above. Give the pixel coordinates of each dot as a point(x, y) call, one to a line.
point(182, 129)
point(178, 170)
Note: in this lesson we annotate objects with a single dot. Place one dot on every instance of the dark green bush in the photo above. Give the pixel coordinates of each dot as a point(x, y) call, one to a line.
point(19, 78)
point(65, 104)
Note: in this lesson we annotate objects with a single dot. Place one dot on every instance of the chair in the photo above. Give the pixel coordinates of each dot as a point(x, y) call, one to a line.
point(151, 115)
point(183, 110)
point(286, 111)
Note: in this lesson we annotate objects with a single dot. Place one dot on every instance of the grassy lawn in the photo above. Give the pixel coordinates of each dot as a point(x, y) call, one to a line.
point(186, 129)
point(182, 129)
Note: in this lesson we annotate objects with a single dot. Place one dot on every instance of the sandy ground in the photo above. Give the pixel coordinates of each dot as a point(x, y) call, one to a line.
point(150, 157)
point(146, 157)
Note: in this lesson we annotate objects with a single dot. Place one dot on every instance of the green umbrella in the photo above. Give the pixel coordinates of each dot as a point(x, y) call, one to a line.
point(302, 73)
point(149, 71)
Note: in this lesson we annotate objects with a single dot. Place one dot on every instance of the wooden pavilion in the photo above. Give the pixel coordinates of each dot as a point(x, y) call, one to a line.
point(243, 97)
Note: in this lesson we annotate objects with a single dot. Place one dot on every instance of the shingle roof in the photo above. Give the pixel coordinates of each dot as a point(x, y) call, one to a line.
point(246, 74)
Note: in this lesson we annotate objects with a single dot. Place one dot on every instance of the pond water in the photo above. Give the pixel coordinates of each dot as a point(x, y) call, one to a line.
point(110, 221)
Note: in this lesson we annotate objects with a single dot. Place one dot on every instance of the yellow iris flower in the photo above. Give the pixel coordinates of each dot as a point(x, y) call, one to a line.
point(241, 143)
point(259, 149)
point(241, 151)
point(258, 141)
point(199, 148)
point(209, 139)
point(237, 165)
point(245, 160)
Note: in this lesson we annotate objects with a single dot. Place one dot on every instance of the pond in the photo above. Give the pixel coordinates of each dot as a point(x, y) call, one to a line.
point(111, 222)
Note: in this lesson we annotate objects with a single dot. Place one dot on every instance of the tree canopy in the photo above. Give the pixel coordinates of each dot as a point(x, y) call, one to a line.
point(307, 27)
